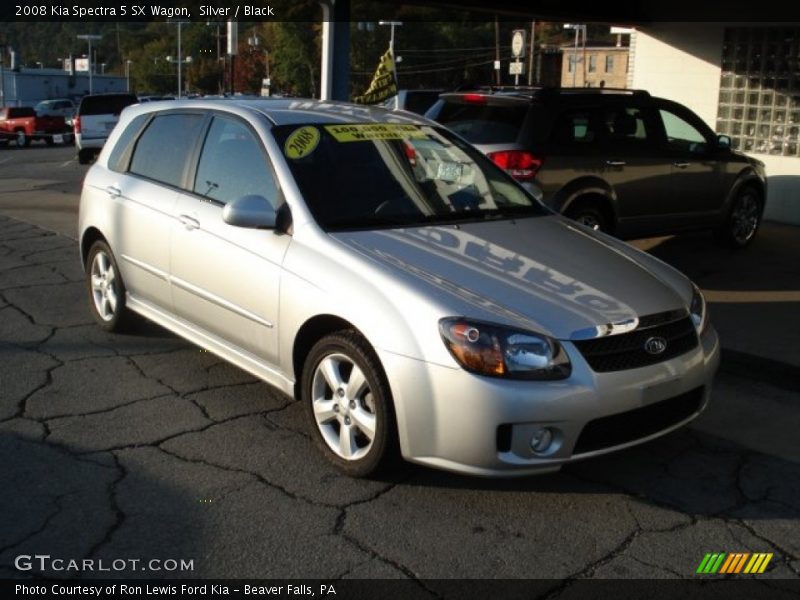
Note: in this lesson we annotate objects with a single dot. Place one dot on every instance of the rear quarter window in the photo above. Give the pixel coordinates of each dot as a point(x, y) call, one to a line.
point(163, 150)
point(484, 124)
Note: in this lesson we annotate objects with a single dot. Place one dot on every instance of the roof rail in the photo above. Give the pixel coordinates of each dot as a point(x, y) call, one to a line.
point(547, 91)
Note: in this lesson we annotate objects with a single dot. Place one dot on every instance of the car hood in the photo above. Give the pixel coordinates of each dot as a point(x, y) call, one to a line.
point(542, 273)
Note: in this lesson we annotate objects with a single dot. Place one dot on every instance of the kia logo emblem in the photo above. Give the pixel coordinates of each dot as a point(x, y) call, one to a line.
point(655, 345)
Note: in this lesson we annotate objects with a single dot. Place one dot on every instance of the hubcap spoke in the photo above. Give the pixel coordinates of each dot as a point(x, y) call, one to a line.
point(323, 411)
point(111, 297)
point(347, 441)
point(364, 421)
point(330, 371)
point(356, 384)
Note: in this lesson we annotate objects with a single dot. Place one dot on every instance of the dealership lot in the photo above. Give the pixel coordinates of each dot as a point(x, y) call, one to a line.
point(144, 447)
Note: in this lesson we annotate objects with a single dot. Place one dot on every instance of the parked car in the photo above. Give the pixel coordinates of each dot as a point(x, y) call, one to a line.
point(620, 161)
point(417, 101)
point(60, 107)
point(412, 295)
point(21, 124)
point(97, 114)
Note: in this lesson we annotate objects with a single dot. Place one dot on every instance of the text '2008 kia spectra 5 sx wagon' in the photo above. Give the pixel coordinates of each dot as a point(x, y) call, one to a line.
point(409, 292)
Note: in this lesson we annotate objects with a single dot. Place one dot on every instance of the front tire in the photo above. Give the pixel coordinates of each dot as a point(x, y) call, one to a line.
point(349, 404)
point(743, 219)
point(22, 139)
point(85, 156)
point(106, 288)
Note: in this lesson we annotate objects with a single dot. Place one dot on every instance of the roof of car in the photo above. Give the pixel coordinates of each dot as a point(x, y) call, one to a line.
point(292, 111)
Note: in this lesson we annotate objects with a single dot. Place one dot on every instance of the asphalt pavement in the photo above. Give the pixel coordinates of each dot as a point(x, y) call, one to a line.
point(142, 446)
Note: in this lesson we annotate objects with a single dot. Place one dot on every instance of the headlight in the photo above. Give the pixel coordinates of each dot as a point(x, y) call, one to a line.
point(698, 311)
point(499, 351)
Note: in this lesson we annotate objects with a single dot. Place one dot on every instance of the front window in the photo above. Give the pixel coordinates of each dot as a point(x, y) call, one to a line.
point(369, 175)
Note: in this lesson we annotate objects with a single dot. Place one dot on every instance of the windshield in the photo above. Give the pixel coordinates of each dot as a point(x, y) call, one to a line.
point(370, 175)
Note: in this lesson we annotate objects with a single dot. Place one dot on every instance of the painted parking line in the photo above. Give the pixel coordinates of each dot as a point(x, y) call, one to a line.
point(7, 159)
point(66, 163)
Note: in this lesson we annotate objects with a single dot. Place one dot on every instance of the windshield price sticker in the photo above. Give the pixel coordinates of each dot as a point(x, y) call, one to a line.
point(374, 131)
point(301, 142)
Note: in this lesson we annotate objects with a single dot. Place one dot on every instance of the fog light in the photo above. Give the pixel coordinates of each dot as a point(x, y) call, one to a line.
point(541, 440)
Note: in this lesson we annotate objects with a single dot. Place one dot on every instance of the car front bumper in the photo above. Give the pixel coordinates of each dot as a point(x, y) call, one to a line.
point(454, 420)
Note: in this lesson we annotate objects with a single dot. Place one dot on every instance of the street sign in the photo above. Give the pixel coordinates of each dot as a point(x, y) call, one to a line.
point(516, 68)
point(497, 65)
point(518, 43)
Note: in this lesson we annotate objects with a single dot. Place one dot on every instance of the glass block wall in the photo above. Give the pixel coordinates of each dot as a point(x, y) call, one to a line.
point(759, 96)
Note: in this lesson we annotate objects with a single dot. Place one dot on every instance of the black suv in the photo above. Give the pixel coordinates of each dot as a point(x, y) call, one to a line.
point(620, 161)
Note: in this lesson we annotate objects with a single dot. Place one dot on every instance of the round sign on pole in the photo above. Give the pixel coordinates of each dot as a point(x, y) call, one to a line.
point(518, 43)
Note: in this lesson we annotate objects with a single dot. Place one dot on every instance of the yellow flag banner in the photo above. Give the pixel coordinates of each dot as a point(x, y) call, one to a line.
point(384, 84)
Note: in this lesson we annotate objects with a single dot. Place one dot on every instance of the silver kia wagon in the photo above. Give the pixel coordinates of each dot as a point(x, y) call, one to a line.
point(415, 298)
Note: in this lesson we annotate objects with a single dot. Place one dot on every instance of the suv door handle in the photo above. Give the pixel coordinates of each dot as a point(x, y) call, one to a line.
point(615, 163)
point(189, 222)
point(681, 165)
point(113, 191)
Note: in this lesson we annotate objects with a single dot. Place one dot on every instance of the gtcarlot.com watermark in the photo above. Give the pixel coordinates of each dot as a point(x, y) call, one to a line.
point(44, 563)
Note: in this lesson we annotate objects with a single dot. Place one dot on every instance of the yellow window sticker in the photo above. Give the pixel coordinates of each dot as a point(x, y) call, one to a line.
point(374, 131)
point(301, 142)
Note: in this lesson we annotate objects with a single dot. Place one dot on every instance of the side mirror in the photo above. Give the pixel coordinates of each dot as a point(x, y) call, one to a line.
point(251, 211)
point(724, 142)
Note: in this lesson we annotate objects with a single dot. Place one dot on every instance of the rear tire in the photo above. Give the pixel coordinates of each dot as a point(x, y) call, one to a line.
point(589, 214)
point(106, 289)
point(349, 405)
point(743, 219)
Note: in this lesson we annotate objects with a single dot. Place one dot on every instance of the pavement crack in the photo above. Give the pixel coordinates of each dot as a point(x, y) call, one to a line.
point(119, 515)
point(57, 501)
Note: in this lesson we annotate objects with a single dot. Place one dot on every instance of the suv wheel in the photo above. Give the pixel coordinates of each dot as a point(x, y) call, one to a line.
point(22, 139)
point(743, 220)
point(589, 215)
point(85, 156)
point(106, 288)
point(349, 404)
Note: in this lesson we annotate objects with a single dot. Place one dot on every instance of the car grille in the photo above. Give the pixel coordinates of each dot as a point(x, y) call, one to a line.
point(621, 428)
point(626, 350)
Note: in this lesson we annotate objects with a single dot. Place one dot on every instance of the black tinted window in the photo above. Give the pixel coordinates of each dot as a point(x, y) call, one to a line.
point(626, 124)
point(233, 164)
point(574, 128)
point(110, 104)
point(421, 101)
point(482, 123)
point(23, 111)
point(164, 147)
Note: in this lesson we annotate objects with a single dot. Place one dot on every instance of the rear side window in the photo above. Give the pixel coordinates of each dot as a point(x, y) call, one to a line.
point(233, 164)
point(574, 128)
point(121, 154)
point(420, 101)
point(109, 104)
point(163, 149)
point(626, 125)
point(483, 123)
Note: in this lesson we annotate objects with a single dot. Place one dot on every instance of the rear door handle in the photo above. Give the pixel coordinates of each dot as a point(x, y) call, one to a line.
point(615, 163)
point(681, 165)
point(113, 191)
point(189, 222)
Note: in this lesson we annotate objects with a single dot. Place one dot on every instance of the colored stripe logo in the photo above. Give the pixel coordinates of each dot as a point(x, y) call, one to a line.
point(734, 563)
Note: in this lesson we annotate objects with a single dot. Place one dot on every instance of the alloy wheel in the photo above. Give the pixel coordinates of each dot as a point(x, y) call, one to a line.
point(103, 283)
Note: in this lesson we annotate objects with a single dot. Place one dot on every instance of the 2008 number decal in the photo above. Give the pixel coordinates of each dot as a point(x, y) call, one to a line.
point(301, 142)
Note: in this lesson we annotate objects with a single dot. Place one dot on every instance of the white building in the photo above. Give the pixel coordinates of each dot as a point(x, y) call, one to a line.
point(743, 79)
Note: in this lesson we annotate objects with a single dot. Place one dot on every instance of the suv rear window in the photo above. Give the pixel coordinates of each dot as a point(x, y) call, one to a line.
point(482, 123)
point(106, 104)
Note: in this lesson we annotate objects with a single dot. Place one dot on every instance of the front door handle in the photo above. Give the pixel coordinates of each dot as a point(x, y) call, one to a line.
point(681, 165)
point(113, 191)
point(189, 222)
point(615, 163)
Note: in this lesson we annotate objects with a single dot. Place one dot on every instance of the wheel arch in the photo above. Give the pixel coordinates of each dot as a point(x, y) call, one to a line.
point(89, 237)
point(747, 177)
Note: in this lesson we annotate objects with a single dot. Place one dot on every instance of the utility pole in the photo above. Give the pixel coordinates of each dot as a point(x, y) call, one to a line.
point(128, 75)
point(180, 60)
point(90, 39)
point(530, 55)
point(497, 47)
